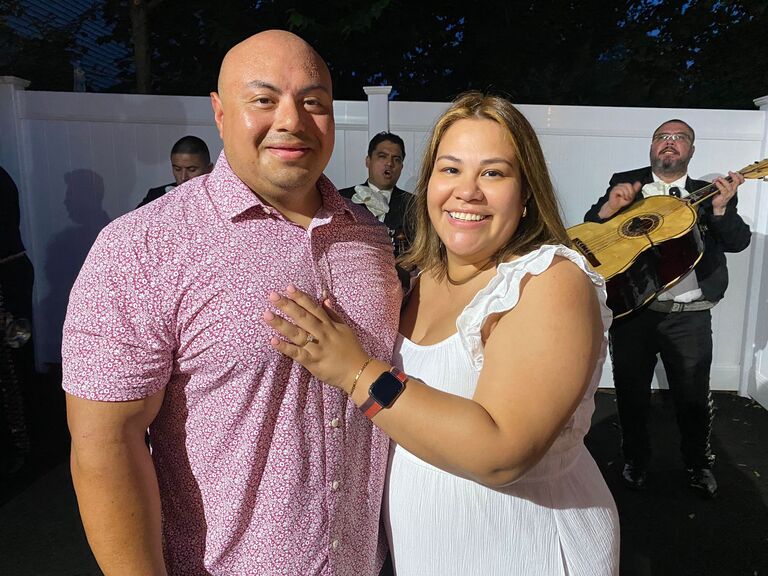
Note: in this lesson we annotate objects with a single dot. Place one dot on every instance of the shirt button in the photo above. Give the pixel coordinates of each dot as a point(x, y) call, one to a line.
point(335, 423)
point(335, 544)
point(335, 485)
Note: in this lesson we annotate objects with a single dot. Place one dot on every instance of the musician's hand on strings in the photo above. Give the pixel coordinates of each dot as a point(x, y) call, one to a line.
point(620, 196)
point(727, 191)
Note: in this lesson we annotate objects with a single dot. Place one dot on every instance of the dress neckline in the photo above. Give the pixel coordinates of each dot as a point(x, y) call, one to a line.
point(442, 342)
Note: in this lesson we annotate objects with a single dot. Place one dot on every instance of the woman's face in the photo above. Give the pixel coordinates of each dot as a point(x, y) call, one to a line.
point(474, 195)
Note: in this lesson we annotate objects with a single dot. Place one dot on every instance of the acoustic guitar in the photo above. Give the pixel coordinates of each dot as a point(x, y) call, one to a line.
point(648, 247)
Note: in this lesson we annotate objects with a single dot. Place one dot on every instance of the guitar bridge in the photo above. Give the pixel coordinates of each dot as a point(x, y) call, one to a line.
point(586, 252)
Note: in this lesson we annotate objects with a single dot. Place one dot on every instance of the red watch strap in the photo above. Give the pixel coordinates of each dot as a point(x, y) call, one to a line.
point(371, 407)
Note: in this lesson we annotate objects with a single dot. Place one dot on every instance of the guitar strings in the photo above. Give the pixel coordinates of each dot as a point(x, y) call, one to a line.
point(603, 241)
point(609, 237)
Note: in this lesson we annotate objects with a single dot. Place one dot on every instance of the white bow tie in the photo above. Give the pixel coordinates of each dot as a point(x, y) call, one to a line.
point(374, 200)
point(660, 189)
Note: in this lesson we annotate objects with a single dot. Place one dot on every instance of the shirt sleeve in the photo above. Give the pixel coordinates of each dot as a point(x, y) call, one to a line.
point(592, 214)
point(731, 231)
point(116, 347)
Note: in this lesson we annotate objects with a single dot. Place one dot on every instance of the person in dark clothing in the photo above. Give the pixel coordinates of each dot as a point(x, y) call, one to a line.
point(189, 158)
point(379, 193)
point(677, 324)
point(16, 357)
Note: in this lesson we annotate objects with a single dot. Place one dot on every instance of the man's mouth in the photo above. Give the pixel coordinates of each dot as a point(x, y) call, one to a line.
point(289, 152)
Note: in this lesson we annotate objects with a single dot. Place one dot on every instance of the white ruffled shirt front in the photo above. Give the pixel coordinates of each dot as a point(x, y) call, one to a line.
point(375, 199)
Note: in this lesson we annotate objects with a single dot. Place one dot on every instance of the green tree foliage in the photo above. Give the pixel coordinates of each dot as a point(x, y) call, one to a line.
point(41, 51)
point(699, 53)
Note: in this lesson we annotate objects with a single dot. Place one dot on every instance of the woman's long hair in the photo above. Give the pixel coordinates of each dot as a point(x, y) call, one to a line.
point(542, 223)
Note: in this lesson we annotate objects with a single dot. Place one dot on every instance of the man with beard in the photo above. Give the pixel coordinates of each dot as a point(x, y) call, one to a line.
point(256, 467)
point(677, 324)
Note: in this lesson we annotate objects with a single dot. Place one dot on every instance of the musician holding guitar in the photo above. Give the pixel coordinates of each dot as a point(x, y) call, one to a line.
point(675, 323)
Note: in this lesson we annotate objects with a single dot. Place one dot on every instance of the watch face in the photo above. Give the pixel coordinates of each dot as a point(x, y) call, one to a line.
point(386, 388)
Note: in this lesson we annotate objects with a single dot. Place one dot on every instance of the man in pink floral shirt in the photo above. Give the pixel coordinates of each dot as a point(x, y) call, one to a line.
point(256, 467)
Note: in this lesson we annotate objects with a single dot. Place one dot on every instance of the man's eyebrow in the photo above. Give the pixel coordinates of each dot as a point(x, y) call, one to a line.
point(262, 84)
point(313, 88)
point(272, 88)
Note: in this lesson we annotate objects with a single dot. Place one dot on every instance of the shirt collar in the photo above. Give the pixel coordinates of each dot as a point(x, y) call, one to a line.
point(680, 182)
point(386, 193)
point(232, 197)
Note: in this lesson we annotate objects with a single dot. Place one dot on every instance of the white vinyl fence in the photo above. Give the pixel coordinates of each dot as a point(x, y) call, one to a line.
point(81, 160)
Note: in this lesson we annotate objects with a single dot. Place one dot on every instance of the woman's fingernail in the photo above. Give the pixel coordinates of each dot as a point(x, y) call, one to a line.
point(268, 316)
point(291, 288)
point(273, 297)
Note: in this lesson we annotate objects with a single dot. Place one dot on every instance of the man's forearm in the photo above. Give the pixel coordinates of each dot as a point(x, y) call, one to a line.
point(119, 502)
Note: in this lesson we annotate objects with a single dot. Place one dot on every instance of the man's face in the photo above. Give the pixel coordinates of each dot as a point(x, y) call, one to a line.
point(187, 166)
point(671, 149)
point(384, 165)
point(275, 116)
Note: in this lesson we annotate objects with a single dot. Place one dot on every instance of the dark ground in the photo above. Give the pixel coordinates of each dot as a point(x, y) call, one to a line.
point(667, 531)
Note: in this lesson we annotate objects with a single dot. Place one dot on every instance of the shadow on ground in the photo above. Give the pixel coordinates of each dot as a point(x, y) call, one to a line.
point(669, 530)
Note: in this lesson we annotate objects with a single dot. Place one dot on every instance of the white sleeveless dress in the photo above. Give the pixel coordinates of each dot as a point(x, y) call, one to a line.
point(558, 519)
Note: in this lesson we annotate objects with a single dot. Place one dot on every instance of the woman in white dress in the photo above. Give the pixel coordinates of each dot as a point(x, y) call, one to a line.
point(503, 338)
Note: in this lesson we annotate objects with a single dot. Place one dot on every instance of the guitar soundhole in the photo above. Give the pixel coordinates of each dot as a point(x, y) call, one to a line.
point(640, 225)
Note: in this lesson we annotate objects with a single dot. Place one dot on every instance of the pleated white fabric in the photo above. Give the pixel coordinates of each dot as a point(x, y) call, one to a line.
point(558, 520)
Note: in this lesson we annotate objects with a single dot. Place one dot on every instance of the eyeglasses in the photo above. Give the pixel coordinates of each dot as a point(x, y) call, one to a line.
point(665, 137)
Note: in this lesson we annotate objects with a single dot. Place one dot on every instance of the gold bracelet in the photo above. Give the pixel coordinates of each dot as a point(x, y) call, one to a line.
point(359, 373)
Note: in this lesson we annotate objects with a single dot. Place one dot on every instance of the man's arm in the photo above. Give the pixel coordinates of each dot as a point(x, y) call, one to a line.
point(116, 484)
point(617, 197)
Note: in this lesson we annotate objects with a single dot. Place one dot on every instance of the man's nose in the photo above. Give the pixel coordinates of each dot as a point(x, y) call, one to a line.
point(288, 117)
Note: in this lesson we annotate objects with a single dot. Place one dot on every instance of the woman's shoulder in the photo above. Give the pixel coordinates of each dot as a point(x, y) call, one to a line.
point(546, 257)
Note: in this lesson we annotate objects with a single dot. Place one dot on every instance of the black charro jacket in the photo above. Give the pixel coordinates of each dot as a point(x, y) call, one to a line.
point(721, 234)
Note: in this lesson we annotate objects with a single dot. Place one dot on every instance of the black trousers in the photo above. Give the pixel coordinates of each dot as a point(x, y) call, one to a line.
point(684, 342)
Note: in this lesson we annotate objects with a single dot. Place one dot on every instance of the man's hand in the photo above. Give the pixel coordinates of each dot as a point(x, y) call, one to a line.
point(727, 191)
point(620, 196)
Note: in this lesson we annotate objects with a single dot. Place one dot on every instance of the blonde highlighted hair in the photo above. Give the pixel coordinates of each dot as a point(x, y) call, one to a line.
point(542, 223)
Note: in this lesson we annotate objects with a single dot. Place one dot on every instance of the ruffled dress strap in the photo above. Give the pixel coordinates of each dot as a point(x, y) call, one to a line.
point(503, 291)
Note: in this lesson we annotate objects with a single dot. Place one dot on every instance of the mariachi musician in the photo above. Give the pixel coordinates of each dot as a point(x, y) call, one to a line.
point(677, 323)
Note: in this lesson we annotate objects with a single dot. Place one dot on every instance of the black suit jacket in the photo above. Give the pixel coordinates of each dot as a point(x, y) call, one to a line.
point(726, 233)
point(155, 193)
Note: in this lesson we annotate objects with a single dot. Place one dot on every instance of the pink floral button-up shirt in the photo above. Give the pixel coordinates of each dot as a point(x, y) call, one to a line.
point(262, 468)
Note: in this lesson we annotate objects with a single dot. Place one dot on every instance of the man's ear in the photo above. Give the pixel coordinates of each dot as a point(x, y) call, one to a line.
point(218, 113)
point(367, 161)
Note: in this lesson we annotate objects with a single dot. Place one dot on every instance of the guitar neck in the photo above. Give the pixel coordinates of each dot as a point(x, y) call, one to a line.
point(698, 196)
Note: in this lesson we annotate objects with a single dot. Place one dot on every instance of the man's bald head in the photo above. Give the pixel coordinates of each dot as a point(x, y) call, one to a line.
point(274, 112)
point(251, 51)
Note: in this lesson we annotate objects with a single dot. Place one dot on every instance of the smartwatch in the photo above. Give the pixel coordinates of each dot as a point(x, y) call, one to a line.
point(384, 391)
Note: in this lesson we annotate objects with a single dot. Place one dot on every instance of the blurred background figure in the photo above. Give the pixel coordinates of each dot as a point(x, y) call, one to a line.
point(16, 355)
point(379, 193)
point(189, 158)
